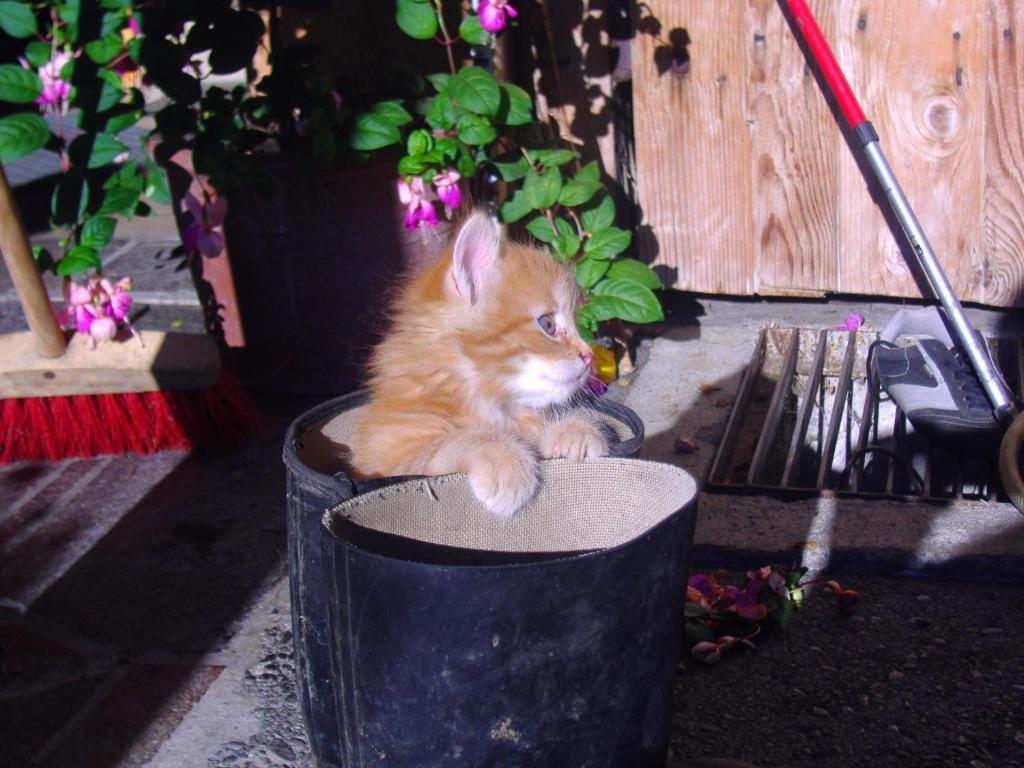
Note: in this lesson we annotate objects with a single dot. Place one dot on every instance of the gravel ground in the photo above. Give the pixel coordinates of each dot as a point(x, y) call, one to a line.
point(923, 673)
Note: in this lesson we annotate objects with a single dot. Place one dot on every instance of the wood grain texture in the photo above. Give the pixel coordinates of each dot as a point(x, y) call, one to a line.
point(794, 156)
point(1003, 219)
point(922, 84)
point(168, 361)
point(693, 144)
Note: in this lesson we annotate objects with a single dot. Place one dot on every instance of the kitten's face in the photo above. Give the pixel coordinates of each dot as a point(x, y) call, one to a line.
point(529, 340)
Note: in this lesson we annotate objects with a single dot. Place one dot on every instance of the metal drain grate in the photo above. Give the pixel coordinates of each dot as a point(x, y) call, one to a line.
point(806, 423)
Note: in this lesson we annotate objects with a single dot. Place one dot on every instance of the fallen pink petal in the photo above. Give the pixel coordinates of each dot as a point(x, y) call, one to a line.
point(707, 652)
point(852, 323)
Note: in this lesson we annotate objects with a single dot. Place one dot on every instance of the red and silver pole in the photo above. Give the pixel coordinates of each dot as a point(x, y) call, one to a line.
point(1003, 403)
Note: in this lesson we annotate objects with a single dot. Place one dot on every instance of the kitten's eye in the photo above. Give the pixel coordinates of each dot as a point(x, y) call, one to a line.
point(547, 324)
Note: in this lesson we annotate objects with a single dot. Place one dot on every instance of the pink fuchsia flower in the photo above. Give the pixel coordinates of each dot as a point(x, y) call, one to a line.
point(97, 308)
point(852, 323)
point(419, 212)
point(202, 233)
point(448, 192)
point(55, 90)
point(492, 14)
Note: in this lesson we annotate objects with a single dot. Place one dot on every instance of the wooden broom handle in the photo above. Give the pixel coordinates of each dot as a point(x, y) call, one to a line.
point(27, 281)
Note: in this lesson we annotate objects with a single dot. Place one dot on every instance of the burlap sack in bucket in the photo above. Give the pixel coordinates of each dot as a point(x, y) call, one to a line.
point(547, 639)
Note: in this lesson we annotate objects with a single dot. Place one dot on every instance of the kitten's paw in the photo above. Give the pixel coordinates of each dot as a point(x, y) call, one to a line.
point(572, 439)
point(503, 478)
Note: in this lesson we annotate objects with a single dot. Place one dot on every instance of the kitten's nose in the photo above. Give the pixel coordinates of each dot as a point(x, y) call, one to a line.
point(587, 356)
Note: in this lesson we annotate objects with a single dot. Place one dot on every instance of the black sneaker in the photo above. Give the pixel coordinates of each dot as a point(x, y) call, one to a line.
point(938, 391)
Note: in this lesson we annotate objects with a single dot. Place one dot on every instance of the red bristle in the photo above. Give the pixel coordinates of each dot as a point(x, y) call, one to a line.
point(53, 428)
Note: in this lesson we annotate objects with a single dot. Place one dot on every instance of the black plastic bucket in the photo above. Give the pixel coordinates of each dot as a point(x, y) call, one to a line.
point(548, 639)
point(315, 454)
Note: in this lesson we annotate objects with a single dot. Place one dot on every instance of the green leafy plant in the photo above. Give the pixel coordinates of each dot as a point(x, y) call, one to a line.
point(73, 91)
point(470, 129)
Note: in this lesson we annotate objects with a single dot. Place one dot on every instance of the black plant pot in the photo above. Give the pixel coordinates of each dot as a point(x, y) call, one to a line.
point(581, 613)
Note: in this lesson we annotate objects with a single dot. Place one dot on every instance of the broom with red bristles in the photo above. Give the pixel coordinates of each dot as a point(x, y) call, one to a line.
point(61, 399)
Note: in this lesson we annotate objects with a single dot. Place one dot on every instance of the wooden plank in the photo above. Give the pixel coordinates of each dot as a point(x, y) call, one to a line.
point(693, 144)
point(168, 361)
point(923, 87)
point(1003, 219)
point(794, 155)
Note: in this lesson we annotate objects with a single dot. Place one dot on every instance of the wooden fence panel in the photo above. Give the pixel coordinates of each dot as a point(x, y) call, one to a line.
point(795, 144)
point(745, 178)
point(693, 144)
point(922, 85)
point(1003, 222)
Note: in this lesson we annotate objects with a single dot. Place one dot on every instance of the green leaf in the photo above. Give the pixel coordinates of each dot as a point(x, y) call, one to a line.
point(516, 107)
point(512, 171)
point(515, 207)
point(419, 141)
point(472, 31)
point(97, 231)
point(440, 81)
point(370, 131)
point(19, 85)
point(599, 216)
point(441, 114)
point(550, 158)
point(638, 272)
point(541, 229)
point(476, 89)
point(626, 300)
point(567, 245)
point(17, 19)
point(417, 18)
point(78, 260)
point(102, 148)
point(589, 174)
point(111, 92)
point(590, 271)
point(586, 323)
point(475, 130)
point(37, 53)
point(115, 4)
point(542, 189)
point(158, 188)
point(69, 12)
point(120, 199)
point(448, 147)
point(391, 112)
point(22, 134)
point(124, 117)
point(106, 48)
point(578, 192)
point(412, 166)
point(606, 243)
point(111, 22)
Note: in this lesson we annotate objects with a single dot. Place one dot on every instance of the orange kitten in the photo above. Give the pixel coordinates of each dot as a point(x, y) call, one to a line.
point(484, 344)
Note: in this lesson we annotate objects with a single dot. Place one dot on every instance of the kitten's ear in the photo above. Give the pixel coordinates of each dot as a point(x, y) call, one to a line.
point(475, 255)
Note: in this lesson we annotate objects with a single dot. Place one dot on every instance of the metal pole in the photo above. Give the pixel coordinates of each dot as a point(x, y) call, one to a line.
point(991, 381)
